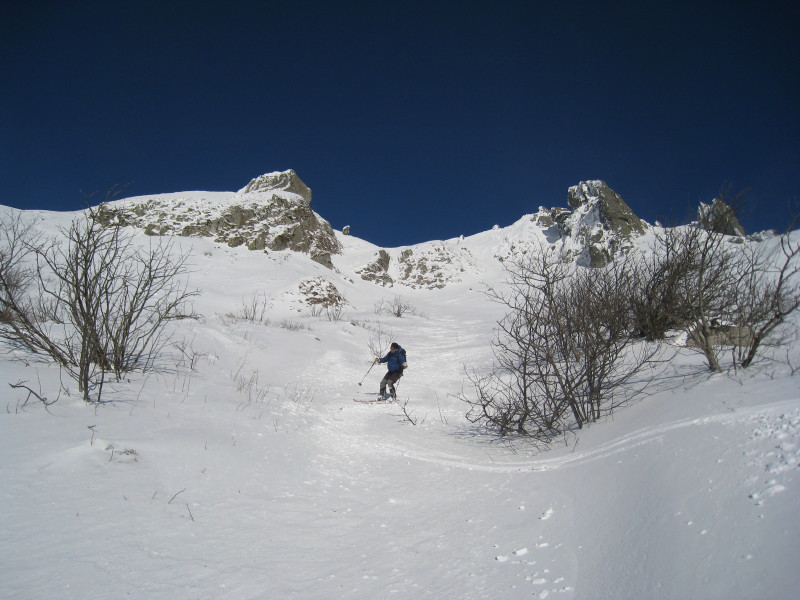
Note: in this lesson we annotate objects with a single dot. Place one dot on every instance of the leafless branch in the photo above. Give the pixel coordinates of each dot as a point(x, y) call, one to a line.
point(176, 495)
point(38, 396)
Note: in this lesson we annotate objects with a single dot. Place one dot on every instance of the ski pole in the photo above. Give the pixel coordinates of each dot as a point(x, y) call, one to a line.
point(367, 373)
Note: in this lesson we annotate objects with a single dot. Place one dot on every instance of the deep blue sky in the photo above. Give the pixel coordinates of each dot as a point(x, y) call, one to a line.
point(410, 121)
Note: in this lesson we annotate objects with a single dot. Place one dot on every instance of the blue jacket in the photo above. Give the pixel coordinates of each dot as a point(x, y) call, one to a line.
point(395, 360)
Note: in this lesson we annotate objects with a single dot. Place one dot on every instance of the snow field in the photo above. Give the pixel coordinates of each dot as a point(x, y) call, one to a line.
point(248, 472)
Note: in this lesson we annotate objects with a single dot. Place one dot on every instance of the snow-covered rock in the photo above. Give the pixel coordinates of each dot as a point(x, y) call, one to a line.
point(272, 212)
point(719, 217)
point(284, 181)
point(601, 224)
point(430, 265)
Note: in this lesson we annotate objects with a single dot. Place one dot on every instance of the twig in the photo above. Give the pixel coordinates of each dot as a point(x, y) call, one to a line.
point(173, 498)
point(21, 385)
point(405, 412)
point(794, 369)
point(439, 406)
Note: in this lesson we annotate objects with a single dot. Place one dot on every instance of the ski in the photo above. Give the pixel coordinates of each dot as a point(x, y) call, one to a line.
point(374, 400)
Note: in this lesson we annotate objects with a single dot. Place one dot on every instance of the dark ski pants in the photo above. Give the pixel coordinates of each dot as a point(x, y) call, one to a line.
point(390, 379)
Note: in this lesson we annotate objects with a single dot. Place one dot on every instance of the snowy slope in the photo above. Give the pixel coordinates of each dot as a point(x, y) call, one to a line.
point(245, 470)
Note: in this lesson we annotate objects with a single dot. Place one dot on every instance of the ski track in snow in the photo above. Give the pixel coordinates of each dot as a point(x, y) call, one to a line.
point(765, 420)
point(546, 563)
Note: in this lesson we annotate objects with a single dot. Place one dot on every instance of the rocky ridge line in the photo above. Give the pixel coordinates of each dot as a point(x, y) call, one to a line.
point(271, 213)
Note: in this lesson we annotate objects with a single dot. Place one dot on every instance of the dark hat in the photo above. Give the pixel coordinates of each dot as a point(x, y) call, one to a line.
point(395, 345)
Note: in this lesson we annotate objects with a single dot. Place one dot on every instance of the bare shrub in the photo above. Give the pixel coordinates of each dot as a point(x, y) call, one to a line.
point(254, 308)
point(767, 291)
point(291, 325)
point(92, 300)
point(17, 239)
point(687, 283)
point(330, 311)
point(396, 307)
point(379, 339)
point(334, 312)
point(657, 301)
point(314, 311)
point(564, 354)
point(725, 291)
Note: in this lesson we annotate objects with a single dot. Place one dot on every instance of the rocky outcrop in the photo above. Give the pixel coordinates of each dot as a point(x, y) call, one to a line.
point(377, 270)
point(548, 217)
point(285, 181)
point(429, 266)
point(612, 211)
point(600, 226)
point(317, 291)
point(271, 213)
point(719, 217)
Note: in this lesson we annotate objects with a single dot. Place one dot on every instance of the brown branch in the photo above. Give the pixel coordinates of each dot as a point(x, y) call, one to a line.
point(175, 496)
point(21, 385)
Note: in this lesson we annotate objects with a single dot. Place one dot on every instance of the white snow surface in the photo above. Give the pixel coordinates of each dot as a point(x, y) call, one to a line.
point(244, 470)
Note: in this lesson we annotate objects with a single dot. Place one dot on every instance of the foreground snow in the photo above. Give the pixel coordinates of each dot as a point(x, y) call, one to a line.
point(247, 471)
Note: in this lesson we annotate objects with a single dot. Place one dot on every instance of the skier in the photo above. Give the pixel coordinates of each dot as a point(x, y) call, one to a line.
point(395, 362)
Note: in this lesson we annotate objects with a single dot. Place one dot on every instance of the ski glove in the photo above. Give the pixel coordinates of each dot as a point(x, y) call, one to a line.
point(377, 361)
point(405, 365)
